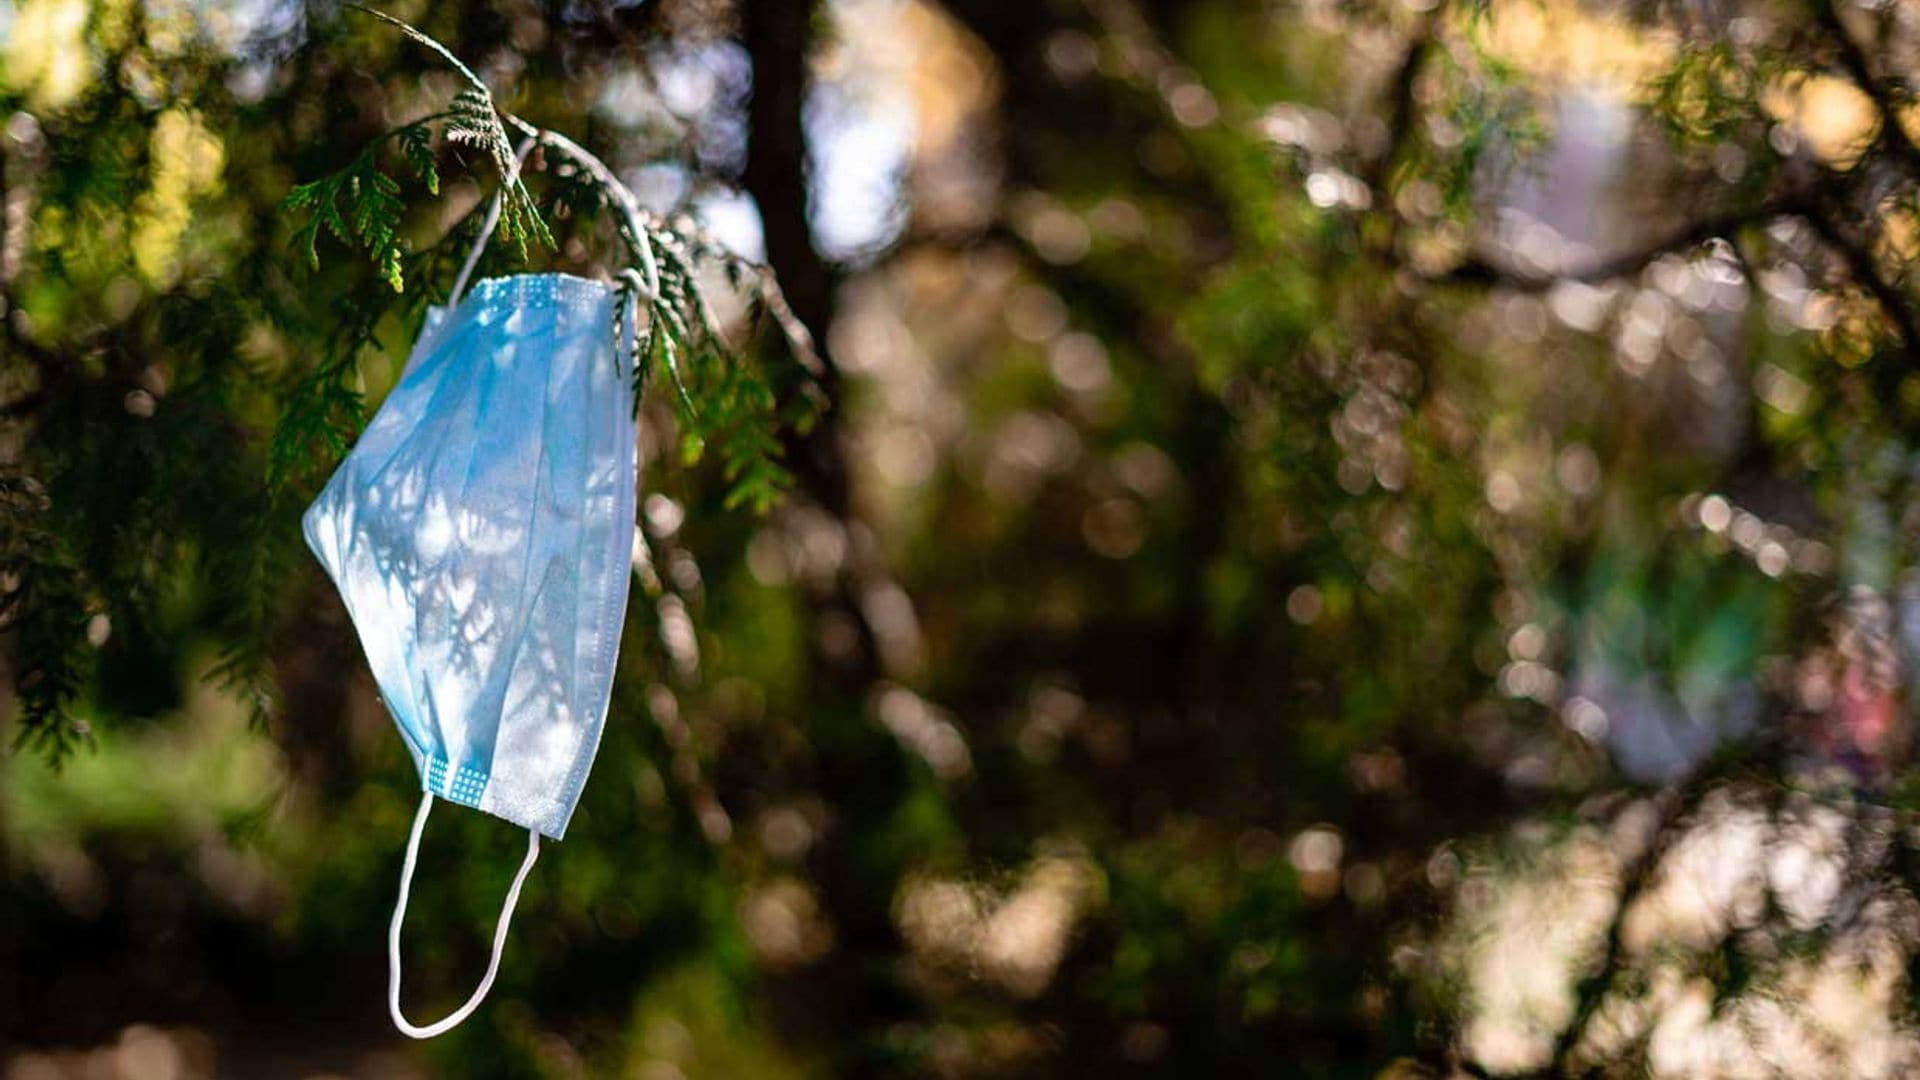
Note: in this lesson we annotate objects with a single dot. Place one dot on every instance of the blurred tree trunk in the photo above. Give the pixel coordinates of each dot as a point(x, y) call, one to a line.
point(855, 762)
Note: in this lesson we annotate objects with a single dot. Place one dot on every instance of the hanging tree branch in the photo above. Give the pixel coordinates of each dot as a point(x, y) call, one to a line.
point(722, 398)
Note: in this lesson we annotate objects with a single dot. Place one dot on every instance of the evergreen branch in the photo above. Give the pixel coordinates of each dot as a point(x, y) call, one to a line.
point(361, 206)
point(372, 208)
point(721, 397)
point(419, 154)
point(475, 121)
point(43, 608)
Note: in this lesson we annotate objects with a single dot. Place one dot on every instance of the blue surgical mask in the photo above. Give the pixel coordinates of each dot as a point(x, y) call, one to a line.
point(481, 535)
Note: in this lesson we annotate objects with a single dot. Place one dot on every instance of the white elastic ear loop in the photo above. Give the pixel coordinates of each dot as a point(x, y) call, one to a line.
point(638, 290)
point(400, 913)
point(487, 226)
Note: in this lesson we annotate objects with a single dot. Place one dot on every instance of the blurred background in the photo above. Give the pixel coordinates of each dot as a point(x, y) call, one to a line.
point(1345, 539)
